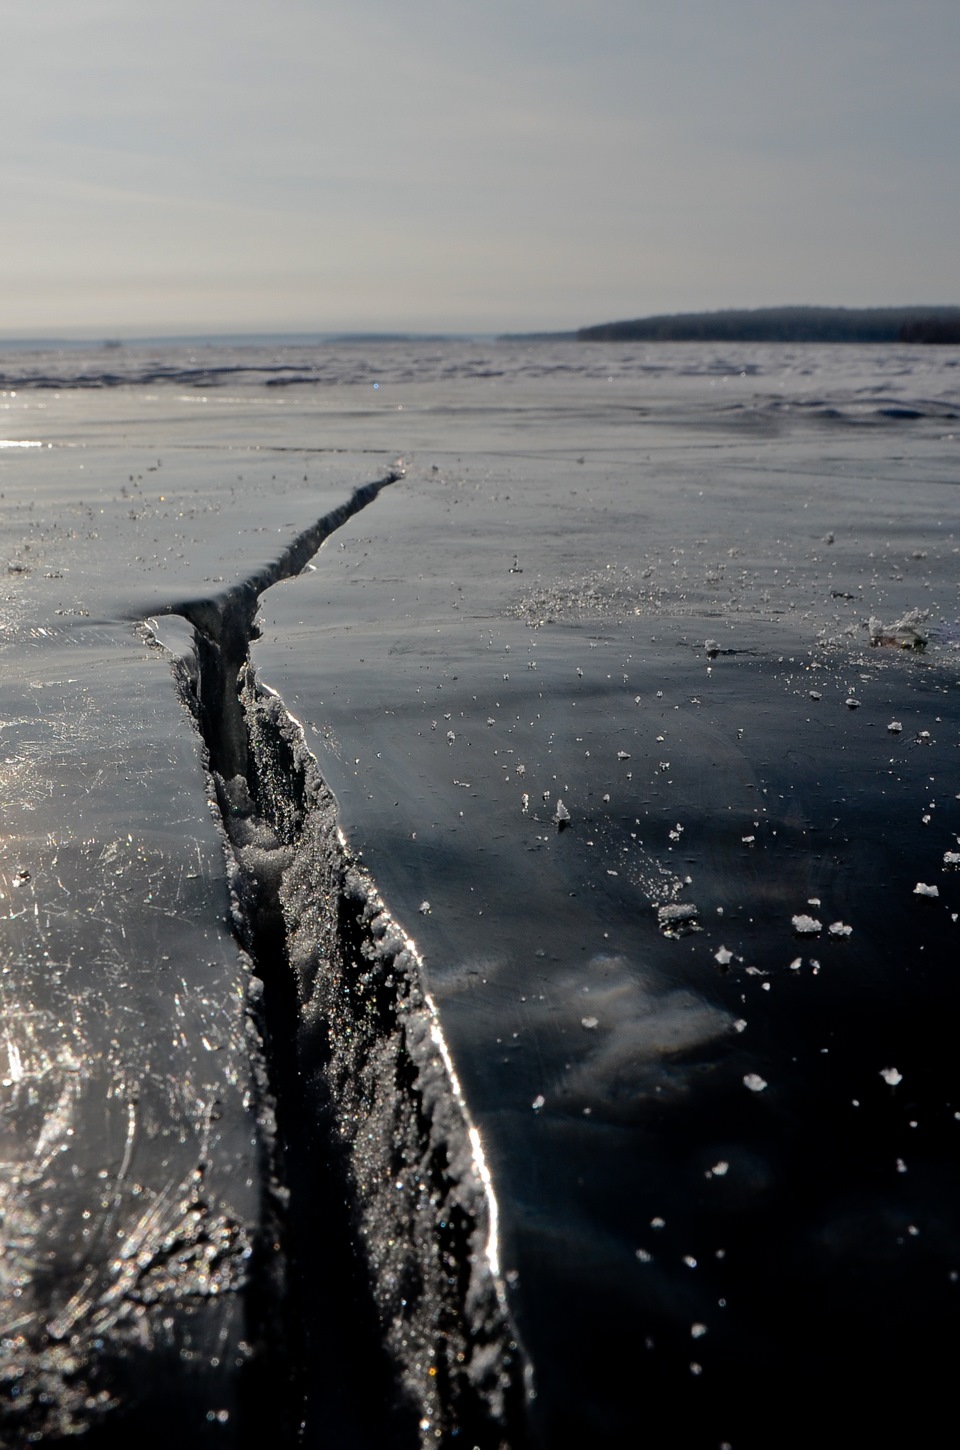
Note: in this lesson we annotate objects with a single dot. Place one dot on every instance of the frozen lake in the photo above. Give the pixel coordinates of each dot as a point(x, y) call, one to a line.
point(525, 1012)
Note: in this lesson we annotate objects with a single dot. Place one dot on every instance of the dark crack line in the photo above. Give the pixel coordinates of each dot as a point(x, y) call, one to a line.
point(395, 1314)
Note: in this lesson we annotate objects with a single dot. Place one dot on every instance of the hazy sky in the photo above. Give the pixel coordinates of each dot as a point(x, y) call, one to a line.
point(308, 165)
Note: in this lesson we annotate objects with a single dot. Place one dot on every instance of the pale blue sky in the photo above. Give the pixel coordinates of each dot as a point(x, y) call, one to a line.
point(445, 164)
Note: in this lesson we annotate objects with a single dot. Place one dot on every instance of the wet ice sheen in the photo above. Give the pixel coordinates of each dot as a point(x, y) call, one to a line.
point(764, 522)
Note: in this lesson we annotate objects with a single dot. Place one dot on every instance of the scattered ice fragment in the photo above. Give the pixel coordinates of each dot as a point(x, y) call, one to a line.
point(561, 815)
point(724, 956)
point(895, 727)
point(697, 1331)
point(623, 755)
point(677, 918)
point(907, 633)
point(837, 928)
point(852, 703)
point(754, 1082)
point(711, 647)
point(901, 1166)
point(589, 1023)
point(690, 1261)
point(424, 908)
point(658, 1223)
point(538, 1102)
point(922, 889)
point(695, 1368)
point(806, 925)
point(525, 803)
point(719, 1170)
point(951, 858)
point(739, 1025)
point(816, 694)
point(891, 1076)
point(748, 840)
point(521, 770)
point(451, 737)
point(796, 964)
point(644, 1256)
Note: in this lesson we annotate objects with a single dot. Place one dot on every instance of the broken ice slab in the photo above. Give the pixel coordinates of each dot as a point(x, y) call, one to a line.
point(136, 1177)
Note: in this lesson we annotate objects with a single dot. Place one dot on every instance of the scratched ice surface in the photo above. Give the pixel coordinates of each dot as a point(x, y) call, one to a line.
point(602, 996)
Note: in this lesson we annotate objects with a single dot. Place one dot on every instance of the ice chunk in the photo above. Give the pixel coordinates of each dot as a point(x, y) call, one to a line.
point(837, 928)
point(908, 632)
point(677, 918)
point(754, 1082)
point(895, 727)
point(724, 956)
point(589, 1023)
point(805, 925)
point(922, 889)
point(891, 1075)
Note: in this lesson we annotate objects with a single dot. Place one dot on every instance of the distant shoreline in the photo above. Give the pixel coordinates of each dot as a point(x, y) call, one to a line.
point(919, 324)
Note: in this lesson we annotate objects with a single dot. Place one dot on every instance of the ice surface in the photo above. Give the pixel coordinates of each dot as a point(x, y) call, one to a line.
point(452, 701)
